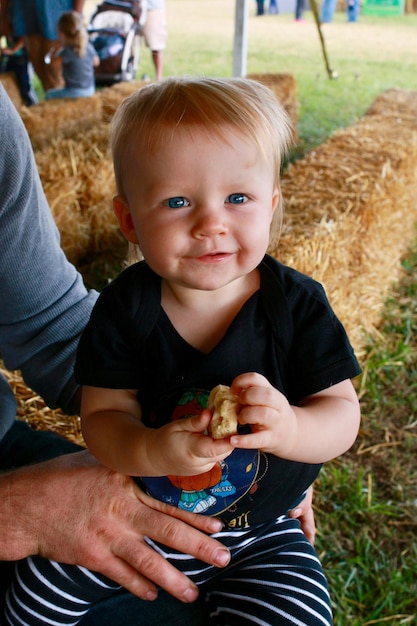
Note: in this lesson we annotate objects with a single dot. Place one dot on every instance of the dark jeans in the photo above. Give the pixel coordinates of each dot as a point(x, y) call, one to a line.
point(19, 65)
point(23, 446)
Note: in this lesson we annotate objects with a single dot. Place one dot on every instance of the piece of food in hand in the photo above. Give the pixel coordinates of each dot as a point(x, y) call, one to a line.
point(224, 406)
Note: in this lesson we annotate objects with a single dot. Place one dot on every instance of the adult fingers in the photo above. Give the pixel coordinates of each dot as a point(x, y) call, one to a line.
point(305, 513)
point(182, 530)
point(141, 570)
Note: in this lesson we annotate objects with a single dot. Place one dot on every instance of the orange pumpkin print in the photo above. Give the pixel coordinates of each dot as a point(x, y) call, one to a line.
point(198, 482)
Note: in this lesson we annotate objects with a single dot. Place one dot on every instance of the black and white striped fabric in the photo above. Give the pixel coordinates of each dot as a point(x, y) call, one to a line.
point(274, 578)
point(46, 592)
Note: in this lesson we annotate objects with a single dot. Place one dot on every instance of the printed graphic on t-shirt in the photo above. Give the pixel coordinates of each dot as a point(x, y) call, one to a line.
point(214, 491)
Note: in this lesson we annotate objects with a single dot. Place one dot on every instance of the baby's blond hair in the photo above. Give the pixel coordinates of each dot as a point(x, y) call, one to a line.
point(244, 106)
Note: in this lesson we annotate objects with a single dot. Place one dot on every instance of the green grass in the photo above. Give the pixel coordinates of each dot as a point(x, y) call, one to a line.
point(367, 499)
point(370, 56)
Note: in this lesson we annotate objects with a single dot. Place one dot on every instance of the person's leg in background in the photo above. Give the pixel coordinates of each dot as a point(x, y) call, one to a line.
point(155, 35)
point(327, 10)
point(158, 62)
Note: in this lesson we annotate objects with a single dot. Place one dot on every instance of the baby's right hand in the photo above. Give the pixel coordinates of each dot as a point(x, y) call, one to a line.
point(183, 448)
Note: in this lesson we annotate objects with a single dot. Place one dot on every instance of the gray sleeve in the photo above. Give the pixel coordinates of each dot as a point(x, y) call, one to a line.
point(44, 304)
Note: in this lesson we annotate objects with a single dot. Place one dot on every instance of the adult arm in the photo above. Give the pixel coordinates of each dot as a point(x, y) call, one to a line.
point(44, 509)
point(44, 303)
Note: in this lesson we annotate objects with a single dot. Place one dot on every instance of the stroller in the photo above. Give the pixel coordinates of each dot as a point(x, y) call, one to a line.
point(114, 31)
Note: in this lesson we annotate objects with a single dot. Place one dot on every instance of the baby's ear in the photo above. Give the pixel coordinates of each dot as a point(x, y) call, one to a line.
point(275, 200)
point(124, 217)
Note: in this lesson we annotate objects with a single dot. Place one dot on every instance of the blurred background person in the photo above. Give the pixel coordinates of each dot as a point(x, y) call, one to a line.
point(273, 6)
point(299, 10)
point(327, 10)
point(352, 10)
point(154, 32)
point(79, 58)
point(36, 21)
point(14, 57)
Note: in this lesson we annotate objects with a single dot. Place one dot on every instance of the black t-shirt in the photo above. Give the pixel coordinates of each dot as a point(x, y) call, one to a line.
point(286, 331)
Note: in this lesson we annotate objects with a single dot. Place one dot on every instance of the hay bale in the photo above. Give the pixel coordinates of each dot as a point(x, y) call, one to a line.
point(114, 95)
point(76, 169)
point(60, 118)
point(77, 176)
point(350, 211)
point(399, 104)
point(285, 88)
point(77, 172)
point(9, 82)
point(31, 409)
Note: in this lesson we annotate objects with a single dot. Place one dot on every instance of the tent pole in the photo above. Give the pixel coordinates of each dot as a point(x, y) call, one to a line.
point(240, 49)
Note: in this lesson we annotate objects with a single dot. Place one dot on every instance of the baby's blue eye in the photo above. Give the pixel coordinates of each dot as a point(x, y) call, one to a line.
point(237, 198)
point(178, 202)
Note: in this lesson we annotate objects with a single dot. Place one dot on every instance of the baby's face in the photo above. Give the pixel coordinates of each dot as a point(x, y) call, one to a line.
point(200, 207)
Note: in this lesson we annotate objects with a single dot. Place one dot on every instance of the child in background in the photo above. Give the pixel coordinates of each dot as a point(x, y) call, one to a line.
point(14, 57)
point(78, 58)
point(197, 164)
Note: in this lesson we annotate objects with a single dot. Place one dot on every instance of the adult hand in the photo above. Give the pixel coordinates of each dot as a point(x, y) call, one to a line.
point(305, 513)
point(73, 510)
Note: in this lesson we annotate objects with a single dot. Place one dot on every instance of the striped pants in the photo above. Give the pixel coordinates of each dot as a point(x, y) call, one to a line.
point(274, 578)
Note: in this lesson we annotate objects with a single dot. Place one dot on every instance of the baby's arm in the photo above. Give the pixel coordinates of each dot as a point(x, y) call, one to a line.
point(111, 421)
point(323, 427)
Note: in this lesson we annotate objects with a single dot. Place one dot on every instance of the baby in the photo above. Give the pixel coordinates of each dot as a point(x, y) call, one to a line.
point(197, 164)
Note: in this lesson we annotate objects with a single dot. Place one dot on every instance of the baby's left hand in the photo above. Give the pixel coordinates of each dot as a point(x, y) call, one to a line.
point(268, 413)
